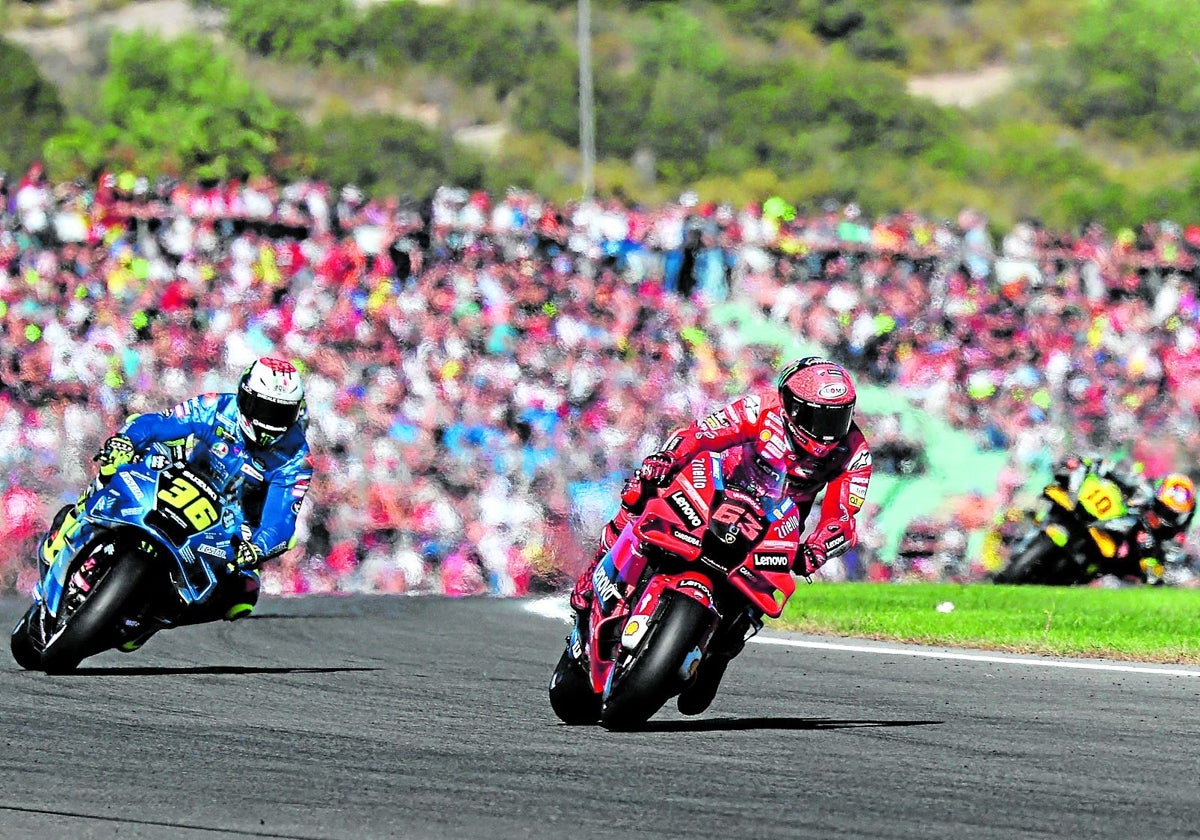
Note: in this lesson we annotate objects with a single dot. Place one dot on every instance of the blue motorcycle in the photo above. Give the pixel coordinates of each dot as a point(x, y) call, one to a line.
point(143, 550)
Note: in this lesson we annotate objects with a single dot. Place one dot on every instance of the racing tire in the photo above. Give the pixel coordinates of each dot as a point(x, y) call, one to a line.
point(654, 676)
point(91, 629)
point(24, 652)
point(571, 694)
point(1037, 564)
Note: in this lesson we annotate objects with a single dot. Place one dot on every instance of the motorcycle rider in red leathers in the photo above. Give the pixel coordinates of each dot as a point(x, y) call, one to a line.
point(807, 423)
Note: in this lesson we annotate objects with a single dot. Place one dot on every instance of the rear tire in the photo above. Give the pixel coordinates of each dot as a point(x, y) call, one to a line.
point(92, 628)
point(571, 694)
point(24, 652)
point(1037, 564)
point(654, 677)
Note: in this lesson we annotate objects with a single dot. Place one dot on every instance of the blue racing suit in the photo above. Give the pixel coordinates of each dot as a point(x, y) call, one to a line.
point(274, 480)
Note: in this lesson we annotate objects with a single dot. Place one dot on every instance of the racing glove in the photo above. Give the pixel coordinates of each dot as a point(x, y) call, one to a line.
point(808, 559)
point(246, 556)
point(658, 468)
point(117, 450)
point(832, 539)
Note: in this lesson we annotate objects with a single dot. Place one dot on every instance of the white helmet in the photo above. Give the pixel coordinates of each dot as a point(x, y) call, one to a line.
point(269, 399)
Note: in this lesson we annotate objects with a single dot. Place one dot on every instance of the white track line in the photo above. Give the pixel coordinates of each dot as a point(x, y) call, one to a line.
point(927, 653)
point(556, 607)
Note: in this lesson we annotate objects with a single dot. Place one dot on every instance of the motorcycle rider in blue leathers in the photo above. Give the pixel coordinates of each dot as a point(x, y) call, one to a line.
point(267, 417)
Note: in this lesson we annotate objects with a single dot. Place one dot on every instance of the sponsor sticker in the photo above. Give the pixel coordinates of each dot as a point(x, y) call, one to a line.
point(689, 583)
point(861, 459)
point(699, 475)
point(789, 525)
point(212, 551)
point(752, 406)
point(220, 449)
point(632, 627)
point(685, 537)
point(605, 586)
point(772, 561)
point(832, 390)
point(132, 484)
point(716, 421)
point(685, 509)
point(253, 473)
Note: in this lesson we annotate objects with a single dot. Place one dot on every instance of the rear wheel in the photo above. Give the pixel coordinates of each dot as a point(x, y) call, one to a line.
point(571, 694)
point(656, 673)
point(1040, 562)
point(91, 626)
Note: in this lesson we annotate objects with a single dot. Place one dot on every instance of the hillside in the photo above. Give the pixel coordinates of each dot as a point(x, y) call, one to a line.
point(940, 104)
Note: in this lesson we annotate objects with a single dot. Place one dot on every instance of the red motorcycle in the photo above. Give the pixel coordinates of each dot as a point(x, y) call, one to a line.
point(706, 558)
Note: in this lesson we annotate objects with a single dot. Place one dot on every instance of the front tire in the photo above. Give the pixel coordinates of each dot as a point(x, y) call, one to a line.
point(653, 677)
point(91, 629)
point(571, 694)
point(1039, 563)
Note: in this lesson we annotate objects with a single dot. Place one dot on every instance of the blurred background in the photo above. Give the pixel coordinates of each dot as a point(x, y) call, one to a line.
point(502, 300)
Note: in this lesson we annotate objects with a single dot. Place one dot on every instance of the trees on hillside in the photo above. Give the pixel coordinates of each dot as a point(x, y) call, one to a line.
point(1130, 69)
point(177, 107)
point(30, 109)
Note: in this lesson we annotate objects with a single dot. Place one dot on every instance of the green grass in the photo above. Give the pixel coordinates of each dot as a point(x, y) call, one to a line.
point(1149, 624)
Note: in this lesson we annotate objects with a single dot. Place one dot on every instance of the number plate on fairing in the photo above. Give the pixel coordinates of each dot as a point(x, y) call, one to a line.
point(1101, 498)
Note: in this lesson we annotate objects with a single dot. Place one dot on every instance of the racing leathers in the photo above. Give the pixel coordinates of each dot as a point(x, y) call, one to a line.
point(272, 481)
point(843, 470)
point(275, 479)
point(1156, 539)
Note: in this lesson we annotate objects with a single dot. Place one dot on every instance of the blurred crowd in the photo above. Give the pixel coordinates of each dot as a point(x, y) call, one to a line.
point(1038, 344)
point(483, 370)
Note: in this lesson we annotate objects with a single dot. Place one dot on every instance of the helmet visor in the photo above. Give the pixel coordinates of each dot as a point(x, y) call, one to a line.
point(268, 416)
point(825, 423)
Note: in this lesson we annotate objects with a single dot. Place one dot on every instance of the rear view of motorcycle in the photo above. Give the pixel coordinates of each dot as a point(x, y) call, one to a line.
point(681, 589)
point(140, 554)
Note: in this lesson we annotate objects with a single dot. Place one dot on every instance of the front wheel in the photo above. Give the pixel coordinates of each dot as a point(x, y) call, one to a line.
point(1039, 562)
point(91, 628)
point(657, 672)
point(24, 652)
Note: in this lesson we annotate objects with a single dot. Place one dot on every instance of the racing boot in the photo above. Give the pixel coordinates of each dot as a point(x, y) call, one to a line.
point(699, 695)
point(235, 597)
point(139, 634)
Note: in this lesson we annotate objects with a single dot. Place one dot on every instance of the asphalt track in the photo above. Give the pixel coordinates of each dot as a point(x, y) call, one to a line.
point(427, 718)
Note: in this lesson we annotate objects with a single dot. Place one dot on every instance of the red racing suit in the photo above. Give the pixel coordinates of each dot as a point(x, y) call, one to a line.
point(843, 470)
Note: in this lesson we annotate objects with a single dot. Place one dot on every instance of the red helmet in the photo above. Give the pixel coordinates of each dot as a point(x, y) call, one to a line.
point(818, 403)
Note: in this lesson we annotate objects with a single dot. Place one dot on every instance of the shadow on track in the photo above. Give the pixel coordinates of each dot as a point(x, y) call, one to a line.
point(236, 670)
point(792, 723)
